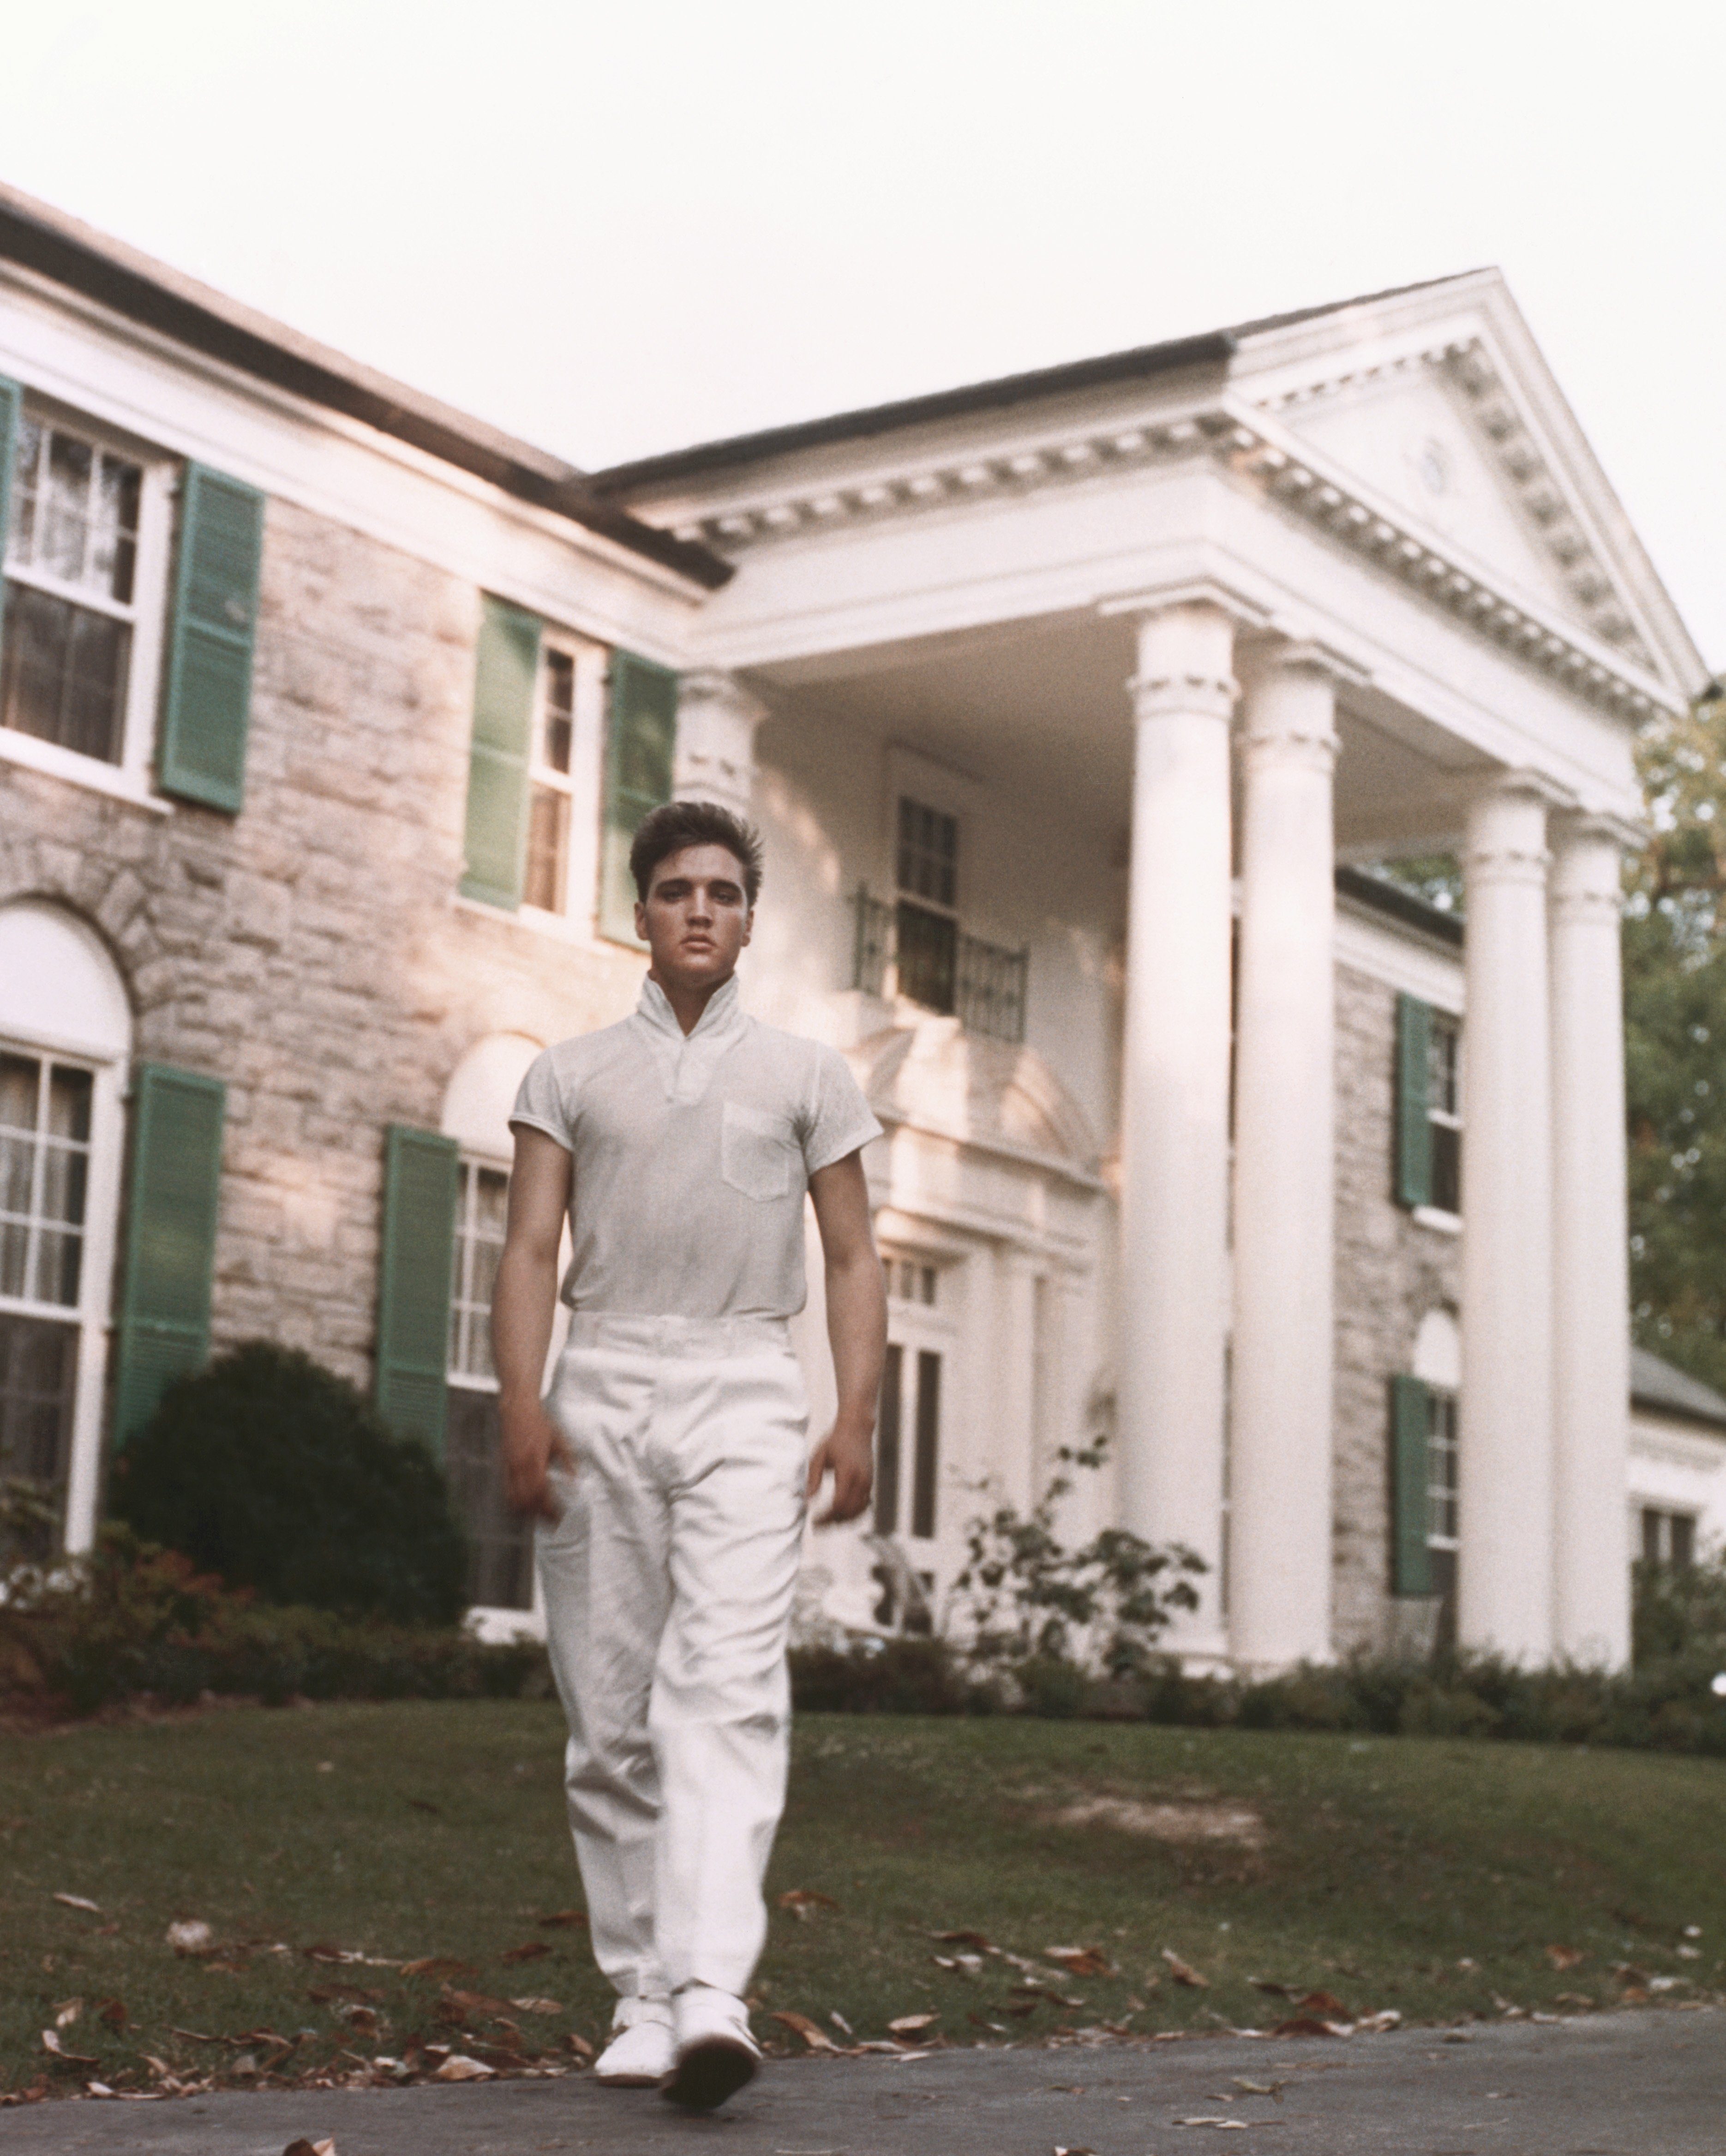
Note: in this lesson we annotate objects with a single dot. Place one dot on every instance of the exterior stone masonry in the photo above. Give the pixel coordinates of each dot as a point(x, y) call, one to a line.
point(1390, 1271)
point(312, 952)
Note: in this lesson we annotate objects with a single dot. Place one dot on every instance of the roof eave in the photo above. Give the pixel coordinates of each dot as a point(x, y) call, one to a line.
point(140, 290)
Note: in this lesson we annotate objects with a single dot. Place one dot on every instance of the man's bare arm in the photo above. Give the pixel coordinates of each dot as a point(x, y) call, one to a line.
point(523, 1305)
point(856, 1332)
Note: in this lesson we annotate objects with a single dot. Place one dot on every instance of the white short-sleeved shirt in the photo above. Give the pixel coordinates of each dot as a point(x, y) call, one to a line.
point(692, 1155)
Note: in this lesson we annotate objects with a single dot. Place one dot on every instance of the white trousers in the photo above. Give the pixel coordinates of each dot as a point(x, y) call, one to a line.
point(668, 1586)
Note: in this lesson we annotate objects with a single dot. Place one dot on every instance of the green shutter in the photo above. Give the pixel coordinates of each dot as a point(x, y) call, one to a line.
point(1414, 1131)
point(172, 1197)
point(640, 742)
point(1410, 1438)
point(506, 673)
point(11, 401)
point(207, 704)
point(421, 1182)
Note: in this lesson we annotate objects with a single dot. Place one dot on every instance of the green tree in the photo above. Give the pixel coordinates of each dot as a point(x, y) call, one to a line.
point(1675, 1030)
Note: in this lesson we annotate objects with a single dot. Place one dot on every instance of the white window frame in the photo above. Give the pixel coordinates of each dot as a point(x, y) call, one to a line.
point(1442, 1408)
point(130, 776)
point(917, 1321)
point(91, 1314)
point(1451, 1119)
point(581, 784)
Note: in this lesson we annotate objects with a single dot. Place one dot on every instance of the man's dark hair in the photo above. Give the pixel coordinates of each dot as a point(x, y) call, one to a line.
point(674, 824)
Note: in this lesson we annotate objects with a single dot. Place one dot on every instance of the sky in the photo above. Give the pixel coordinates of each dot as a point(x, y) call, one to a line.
point(619, 229)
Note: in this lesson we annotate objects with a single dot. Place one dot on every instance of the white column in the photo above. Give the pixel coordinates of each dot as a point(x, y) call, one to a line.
point(715, 760)
point(1174, 1215)
point(1284, 1180)
point(1505, 1467)
point(1590, 1285)
point(1013, 1447)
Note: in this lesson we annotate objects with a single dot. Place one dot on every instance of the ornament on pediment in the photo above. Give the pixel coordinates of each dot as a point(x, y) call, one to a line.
point(1557, 523)
point(935, 1077)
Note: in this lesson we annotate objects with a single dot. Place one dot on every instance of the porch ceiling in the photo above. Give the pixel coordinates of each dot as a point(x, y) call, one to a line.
point(1040, 712)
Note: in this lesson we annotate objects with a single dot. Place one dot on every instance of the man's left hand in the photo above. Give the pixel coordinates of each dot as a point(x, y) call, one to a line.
point(849, 1453)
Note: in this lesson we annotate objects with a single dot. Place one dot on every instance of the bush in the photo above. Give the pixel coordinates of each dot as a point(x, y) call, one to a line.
point(129, 1619)
point(276, 1474)
point(1678, 1610)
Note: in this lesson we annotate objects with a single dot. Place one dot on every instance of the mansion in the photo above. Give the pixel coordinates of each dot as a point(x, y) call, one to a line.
point(1080, 712)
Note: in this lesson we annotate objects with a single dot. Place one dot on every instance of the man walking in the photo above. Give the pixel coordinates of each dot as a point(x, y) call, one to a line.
point(669, 1464)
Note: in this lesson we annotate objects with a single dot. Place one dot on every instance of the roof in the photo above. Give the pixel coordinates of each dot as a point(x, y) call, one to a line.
point(1658, 1385)
point(1407, 906)
point(1213, 348)
point(144, 290)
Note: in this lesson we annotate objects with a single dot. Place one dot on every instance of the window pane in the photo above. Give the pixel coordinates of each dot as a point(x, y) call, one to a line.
point(558, 729)
point(1684, 1538)
point(62, 1182)
point(499, 1546)
point(1447, 1168)
point(1651, 1538)
point(18, 1157)
point(39, 1363)
point(19, 1077)
point(114, 555)
point(491, 1200)
point(69, 1098)
point(63, 672)
point(21, 539)
point(64, 532)
point(15, 1246)
point(59, 1262)
point(887, 1444)
point(927, 956)
point(547, 849)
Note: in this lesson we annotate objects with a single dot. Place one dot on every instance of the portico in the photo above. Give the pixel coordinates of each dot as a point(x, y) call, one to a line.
point(1197, 625)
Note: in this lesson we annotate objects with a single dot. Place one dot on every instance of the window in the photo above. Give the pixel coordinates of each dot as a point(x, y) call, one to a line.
point(1444, 1103)
point(1668, 1538)
point(1427, 1170)
point(927, 873)
point(910, 1414)
point(72, 587)
point(909, 1281)
point(500, 1545)
point(548, 826)
point(45, 1113)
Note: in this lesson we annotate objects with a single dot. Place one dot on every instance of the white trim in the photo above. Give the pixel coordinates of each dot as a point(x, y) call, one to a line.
point(71, 350)
point(1401, 959)
point(113, 779)
point(1435, 1218)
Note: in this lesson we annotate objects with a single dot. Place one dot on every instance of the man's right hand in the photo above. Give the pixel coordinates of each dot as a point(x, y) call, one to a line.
point(533, 1444)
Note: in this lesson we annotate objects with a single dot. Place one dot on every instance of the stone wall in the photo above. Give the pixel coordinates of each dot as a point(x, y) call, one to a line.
point(1390, 1272)
point(312, 952)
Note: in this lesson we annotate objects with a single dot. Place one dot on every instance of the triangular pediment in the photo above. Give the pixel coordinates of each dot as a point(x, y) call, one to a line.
point(1436, 404)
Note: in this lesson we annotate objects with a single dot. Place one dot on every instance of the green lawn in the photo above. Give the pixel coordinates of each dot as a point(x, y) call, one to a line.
point(1428, 1876)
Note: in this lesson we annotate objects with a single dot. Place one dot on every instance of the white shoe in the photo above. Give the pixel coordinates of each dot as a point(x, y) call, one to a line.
point(715, 2053)
point(641, 2052)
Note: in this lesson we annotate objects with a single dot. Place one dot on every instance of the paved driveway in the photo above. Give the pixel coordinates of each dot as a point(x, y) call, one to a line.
point(1648, 2084)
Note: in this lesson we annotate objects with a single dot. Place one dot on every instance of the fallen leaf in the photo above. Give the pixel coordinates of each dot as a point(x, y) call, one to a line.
point(534, 1950)
point(579, 2045)
point(1309, 2024)
point(840, 2023)
point(563, 1917)
point(912, 2025)
point(815, 2036)
point(437, 1965)
point(302, 2146)
point(1324, 2003)
point(1184, 1972)
point(113, 2012)
point(1228, 2125)
point(536, 2005)
point(1573, 1998)
point(78, 1901)
point(67, 2013)
point(191, 1937)
point(321, 1994)
point(98, 2088)
point(361, 2020)
point(1064, 2149)
point(962, 1939)
point(473, 2002)
point(1375, 2025)
point(1257, 2088)
point(458, 2068)
point(803, 1903)
point(1563, 1957)
point(1276, 1990)
point(1082, 1961)
point(51, 2044)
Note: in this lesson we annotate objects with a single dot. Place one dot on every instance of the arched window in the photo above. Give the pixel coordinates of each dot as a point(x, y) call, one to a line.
point(476, 1114)
point(66, 1035)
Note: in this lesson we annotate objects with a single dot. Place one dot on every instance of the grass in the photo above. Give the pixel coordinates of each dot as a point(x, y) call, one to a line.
point(1423, 1875)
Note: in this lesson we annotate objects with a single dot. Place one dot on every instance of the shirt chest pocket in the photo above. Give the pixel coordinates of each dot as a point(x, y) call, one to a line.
point(755, 1152)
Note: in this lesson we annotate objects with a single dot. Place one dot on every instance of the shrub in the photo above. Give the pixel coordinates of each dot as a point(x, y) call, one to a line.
point(884, 1676)
point(1678, 1610)
point(127, 1619)
point(276, 1474)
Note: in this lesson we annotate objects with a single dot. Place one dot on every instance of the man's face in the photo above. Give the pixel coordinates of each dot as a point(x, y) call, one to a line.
point(695, 918)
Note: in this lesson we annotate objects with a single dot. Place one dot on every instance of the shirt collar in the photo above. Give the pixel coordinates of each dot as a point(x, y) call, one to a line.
point(723, 1015)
